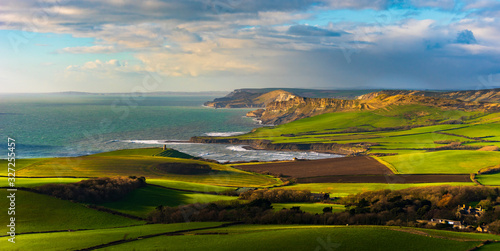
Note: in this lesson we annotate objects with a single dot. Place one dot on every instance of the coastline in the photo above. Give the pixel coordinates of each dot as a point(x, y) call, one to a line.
point(329, 148)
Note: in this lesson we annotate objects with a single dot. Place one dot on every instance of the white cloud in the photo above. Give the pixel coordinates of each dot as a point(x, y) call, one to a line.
point(110, 66)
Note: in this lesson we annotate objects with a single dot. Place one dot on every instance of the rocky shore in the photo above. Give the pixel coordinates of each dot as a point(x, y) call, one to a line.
point(343, 149)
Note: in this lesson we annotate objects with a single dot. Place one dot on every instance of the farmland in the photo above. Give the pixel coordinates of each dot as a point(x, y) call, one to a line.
point(362, 169)
point(410, 144)
point(143, 200)
point(140, 164)
point(324, 167)
point(37, 213)
point(304, 237)
point(411, 153)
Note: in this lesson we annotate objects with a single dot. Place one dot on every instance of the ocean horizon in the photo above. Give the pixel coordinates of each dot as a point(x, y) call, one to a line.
point(59, 125)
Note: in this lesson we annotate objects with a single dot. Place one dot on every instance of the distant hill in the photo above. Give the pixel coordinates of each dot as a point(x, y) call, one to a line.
point(259, 98)
point(488, 95)
point(281, 112)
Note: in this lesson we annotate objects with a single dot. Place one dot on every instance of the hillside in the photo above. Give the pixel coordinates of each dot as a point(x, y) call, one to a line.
point(280, 112)
point(258, 98)
point(488, 95)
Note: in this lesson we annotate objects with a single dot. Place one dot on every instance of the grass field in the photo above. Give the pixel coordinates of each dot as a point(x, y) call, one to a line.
point(189, 186)
point(315, 208)
point(132, 152)
point(489, 179)
point(36, 212)
point(84, 239)
point(490, 247)
point(139, 163)
point(411, 145)
point(20, 164)
point(33, 182)
point(344, 189)
point(257, 237)
point(144, 200)
point(464, 161)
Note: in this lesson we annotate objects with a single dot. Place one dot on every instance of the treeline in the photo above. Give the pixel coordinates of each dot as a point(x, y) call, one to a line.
point(386, 207)
point(97, 190)
point(278, 195)
point(405, 207)
point(258, 211)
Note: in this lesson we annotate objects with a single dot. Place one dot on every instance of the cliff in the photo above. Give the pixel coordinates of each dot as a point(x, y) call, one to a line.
point(280, 112)
point(240, 99)
point(488, 95)
point(258, 98)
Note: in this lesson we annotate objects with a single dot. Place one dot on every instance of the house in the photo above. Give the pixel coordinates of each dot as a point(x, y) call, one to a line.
point(321, 196)
point(468, 210)
point(454, 224)
point(482, 229)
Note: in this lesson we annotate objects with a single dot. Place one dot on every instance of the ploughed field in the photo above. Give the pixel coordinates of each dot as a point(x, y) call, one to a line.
point(360, 169)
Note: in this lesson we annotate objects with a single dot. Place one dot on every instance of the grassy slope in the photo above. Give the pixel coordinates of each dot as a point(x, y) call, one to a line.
point(189, 186)
point(143, 200)
point(301, 238)
point(132, 152)
point(490, 247)
point(409, 144)
point(121, 164)
point(33, 182)
point(36, 212)
point(89, 238)
point(20, 164)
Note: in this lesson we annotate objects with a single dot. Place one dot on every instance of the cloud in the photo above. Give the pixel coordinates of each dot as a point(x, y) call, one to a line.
point(88, 49)
point(250, 43)
point(466, 37)
point(110, 66)
point(307, 30)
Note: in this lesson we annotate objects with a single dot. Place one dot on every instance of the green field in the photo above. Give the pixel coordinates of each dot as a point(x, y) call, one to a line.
point(464, 161)
point(89, 238)
point(189, 186)
point(490, 247)
point(334, 122)
point(140, 163)
point(33, 182)
point(271, 237)
point(411, 145)
point(143, 200)
point(19, 164)
point(489, 179)
point(344, 189)
point(132, 152)
point(314, 208)
point(37, 212)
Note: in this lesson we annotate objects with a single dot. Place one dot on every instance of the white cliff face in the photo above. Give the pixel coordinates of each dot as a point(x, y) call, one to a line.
point(284, 97)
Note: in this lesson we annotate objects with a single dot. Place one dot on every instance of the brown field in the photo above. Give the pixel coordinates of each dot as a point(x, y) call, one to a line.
point(361, 169)
point(361, 165)
point(390, 179)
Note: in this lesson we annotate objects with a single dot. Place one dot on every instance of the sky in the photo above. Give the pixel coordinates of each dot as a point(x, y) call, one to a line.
point(221, 45)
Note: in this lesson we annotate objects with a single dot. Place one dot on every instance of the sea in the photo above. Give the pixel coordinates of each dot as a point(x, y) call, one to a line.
point(64, 125)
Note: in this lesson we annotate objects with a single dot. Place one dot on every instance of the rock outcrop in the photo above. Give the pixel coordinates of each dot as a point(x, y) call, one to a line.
point(280, 112)
point(344, 149)
point(241, 99)
point(487, 95)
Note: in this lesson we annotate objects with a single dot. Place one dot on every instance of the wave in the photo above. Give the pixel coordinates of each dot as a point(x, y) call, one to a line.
point(223, 134)
point(237, 148)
